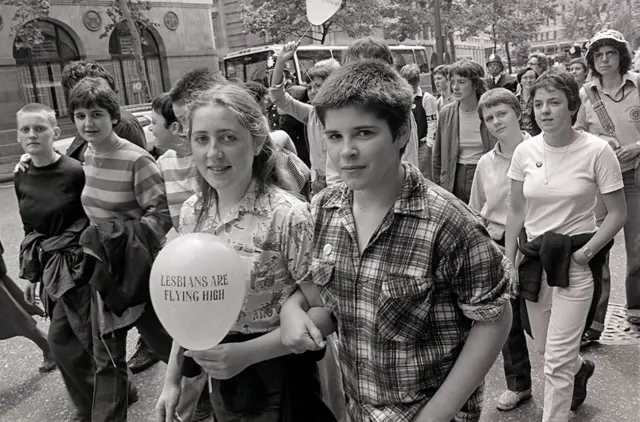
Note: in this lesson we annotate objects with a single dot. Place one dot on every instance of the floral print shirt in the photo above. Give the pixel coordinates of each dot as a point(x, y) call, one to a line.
point(272, 233)
point(528, 119)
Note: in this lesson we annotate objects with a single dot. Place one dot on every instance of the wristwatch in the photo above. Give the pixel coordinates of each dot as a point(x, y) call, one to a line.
point(587, 252)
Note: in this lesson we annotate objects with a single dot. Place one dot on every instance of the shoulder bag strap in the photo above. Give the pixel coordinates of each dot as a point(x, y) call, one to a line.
point(598, 107)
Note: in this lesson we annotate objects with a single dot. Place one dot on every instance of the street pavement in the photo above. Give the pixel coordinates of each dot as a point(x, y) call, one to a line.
point(614, 391)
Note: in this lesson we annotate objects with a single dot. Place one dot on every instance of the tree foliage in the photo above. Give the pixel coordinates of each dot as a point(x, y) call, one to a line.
point(282, 20)
point(28, 34)
point(583, 18)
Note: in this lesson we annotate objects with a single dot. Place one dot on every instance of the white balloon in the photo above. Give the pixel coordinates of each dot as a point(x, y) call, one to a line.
point(320, 11)
point(197, 286)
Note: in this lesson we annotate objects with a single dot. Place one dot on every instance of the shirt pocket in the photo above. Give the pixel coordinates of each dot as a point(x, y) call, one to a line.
point(323, 274)
point(403, 308)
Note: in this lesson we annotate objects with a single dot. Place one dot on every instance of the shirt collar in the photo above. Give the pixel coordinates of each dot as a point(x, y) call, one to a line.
point(410, 201)
point(255, 202)
point(418, 93)
point(497, 150)
point(626, 78)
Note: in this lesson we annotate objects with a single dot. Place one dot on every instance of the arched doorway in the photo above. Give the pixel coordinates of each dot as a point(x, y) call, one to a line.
point(122, 54)
point(40, 67)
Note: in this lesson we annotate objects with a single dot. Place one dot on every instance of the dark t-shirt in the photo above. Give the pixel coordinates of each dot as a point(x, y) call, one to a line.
point(127, 128)
point(49, 196)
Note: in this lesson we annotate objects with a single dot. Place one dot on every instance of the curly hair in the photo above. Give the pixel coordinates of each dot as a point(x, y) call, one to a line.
point(623, 50)
point(542, 60)
point(74, 72)
point(525, 70)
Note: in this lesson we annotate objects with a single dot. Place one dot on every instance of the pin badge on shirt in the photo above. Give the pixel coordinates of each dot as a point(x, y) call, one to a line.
point(327, 249)
point(539, 164)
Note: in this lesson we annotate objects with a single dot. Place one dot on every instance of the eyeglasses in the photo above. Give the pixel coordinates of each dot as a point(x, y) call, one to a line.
point(528, 78)
point(609, 54)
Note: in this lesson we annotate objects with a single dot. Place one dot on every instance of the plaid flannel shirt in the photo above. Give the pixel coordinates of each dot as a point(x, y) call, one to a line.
point(406, 304)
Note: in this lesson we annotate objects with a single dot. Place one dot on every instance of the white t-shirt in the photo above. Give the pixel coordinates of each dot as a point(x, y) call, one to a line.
point(471, 147)
point(565, 205)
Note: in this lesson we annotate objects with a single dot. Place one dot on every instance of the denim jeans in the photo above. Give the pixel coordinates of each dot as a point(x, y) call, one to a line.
point(463, 181)
point(74, 359)
point(111, 381)
point(632, 242)
point(517, 366)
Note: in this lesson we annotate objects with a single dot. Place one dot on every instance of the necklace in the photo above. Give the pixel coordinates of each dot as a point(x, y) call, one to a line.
point(544, 152)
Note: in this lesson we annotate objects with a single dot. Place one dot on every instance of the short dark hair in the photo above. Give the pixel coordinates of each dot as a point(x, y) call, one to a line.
point(411, 72)
point(91, 93)
point(257, 90)
point(525, 70)
point(196, 80)
point(163, 106)
point(471, 70)
point(323, 68)
point(39, 108)
point(560, 80)
point(625, 55)
point(496, 96)
point(582, 62)
point(368, 85)
point(74, 72)
point(443, 69)
point(367, 48)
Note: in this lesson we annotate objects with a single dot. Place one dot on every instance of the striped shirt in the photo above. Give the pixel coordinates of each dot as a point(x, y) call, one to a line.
point(180, 181)
point(124, 182)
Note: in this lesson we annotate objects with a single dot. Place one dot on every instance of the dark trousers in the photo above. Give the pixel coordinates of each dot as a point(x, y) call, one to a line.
point(517, 367)
point(110, 398)
point(74, 359)
point(463, 181)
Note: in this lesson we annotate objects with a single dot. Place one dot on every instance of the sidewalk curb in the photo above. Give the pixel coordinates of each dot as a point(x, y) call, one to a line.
point(6, 178)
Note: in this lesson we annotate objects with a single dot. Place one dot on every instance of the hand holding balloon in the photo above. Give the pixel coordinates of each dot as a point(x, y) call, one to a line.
point(197, 279)
point(225, 360)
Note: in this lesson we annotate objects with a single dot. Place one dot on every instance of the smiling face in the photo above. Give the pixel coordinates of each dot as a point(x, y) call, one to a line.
point(551, 108)
point(36, 133)
point(461, 87)
point(528, 79)
point(361, 146)
point(94, 124)
point(223, 149)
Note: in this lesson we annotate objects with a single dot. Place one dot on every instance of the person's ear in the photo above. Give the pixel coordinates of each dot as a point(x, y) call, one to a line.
point(174, 128)
point(56, 133)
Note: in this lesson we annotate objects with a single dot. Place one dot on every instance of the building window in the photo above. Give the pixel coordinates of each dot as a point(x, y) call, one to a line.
point(40, 67)
point(122, 55)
